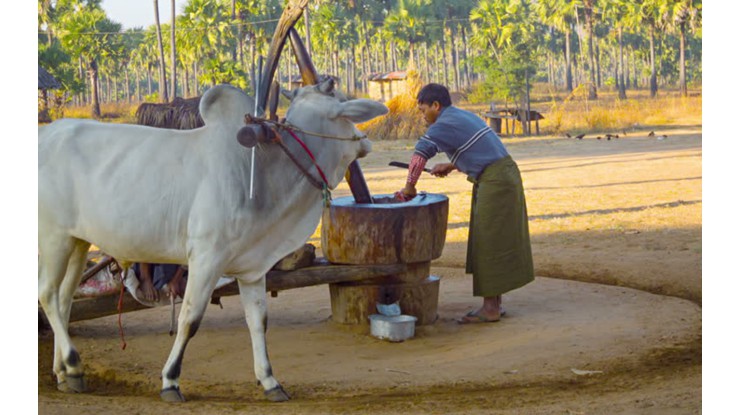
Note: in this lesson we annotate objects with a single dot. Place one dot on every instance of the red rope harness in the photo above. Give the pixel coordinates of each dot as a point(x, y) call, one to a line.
point(120, 305)
point(321, 172)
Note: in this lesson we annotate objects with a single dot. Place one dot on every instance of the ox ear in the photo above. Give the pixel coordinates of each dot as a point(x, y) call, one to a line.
point(326, 86)
point(360, 110)
point(289, 94)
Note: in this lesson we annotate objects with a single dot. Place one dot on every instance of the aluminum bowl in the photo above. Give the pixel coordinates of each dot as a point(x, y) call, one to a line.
point(392, 328)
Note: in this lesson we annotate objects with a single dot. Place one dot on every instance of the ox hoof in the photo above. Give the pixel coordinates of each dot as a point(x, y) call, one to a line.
point(73, 384)
point(171, 394)
point(277, 394)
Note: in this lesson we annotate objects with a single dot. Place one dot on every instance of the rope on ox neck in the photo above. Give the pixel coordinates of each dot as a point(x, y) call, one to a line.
point(289, 126)
point(322, 185)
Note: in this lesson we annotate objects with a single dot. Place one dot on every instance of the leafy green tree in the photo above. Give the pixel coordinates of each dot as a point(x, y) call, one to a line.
point(561, 15)
point(87, 32)
point(407, 22)
point(683, 16)
point(508, 29)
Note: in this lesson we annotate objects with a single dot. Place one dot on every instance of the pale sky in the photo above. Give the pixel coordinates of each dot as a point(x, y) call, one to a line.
point(140, 13)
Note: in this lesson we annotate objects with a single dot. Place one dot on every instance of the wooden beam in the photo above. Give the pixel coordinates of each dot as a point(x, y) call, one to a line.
point(107, 305)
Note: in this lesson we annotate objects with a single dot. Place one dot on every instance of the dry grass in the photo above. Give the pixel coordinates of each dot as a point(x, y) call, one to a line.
point(111, 112)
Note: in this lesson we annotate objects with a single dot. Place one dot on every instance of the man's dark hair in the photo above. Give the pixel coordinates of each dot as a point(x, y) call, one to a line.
point(434, 92)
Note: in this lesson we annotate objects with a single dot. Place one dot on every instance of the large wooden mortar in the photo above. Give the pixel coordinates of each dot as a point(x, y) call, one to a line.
point(386, 232)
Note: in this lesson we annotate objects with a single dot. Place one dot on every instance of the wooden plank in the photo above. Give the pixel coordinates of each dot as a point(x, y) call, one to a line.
point(107, 305)
point(317, 275)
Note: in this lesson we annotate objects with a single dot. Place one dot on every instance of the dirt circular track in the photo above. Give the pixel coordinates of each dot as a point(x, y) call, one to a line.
point(565, 347)
point(554, 333)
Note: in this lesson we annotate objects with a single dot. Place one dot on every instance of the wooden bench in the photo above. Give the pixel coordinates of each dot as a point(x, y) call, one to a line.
point(495, 117)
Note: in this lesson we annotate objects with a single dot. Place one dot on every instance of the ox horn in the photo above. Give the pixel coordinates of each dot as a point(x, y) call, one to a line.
point(274, 97)
point(292, 12)
point(309, 75)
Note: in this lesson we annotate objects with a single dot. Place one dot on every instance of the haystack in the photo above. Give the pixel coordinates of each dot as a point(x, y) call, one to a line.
point(180, 114)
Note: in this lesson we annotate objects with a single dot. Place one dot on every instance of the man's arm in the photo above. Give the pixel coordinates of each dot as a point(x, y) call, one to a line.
point(416, 166)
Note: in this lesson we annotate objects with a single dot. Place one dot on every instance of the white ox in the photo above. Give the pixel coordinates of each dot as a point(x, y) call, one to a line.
point(154, 195)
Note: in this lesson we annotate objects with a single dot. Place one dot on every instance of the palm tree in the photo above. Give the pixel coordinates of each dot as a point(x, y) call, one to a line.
point(588, 14)
point(408, 23)
point(683, 16)
point(162, 74)
point(89, 34)
point(173, 44)
point(560, 14)
point(650, 15)
point(615, 13)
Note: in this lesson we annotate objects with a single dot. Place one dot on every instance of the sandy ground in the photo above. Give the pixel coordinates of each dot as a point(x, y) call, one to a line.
point(629, 317)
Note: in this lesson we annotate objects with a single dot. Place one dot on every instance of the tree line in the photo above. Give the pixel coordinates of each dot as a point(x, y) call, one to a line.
point(486, 48)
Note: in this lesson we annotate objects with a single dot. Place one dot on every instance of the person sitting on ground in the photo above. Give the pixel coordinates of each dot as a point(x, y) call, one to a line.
point(153, 277)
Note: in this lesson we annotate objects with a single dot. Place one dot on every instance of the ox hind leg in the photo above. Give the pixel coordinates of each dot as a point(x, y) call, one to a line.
point(200, 285)
point(60, 270)
point(254, 301)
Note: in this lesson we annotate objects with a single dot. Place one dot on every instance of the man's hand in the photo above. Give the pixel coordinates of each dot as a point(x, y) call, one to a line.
point(406, 194)
point(442, 169)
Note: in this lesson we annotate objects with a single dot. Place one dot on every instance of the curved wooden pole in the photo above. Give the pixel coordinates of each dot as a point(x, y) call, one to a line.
point(292, 12)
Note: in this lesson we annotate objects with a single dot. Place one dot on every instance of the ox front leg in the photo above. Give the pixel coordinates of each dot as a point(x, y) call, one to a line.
point(254, 300)
point(198, 290)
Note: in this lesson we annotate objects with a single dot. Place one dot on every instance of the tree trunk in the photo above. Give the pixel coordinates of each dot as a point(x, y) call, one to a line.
point(634, 70)
point(174, 53)
point(621, 72)
point(597, 60)
point(307, 22)
point(148, 80)
point(455, 59)
point(394, 58)
point(653, 74)
point(138, 86)
point(568, 63)
point(426, 64)
point(682, 62)
point(445, 63)
point(128, 87)
point(186, 82)
point(93, 70)
point(114, 96)
point(466, 64)
point(591, 59)
point(196, 84)
point(162, 75)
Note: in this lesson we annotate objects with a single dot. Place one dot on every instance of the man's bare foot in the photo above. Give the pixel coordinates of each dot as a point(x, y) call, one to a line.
point(148, 291)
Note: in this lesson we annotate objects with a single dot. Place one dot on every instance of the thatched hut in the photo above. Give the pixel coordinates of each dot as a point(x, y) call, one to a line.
point(46, 82)
point(384, 86)
point(180, 114)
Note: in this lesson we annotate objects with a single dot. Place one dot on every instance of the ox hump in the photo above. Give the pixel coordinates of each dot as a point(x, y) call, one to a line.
point(224, 103)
